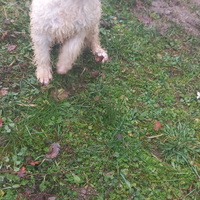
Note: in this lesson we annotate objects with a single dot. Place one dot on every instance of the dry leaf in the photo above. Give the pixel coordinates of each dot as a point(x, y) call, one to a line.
point(11, 47)
point(138, 3)
point(157, 126)
point(35, 163)
point(119, 137)
point(110, 58)
point(63, 95)
point(28, 159)
point(46, 87)
point(103, 23)
point(60, 94)
point(96, 98)
point(109, 174)
point(53, 151)
point(5, 21)
point(94, 74)
point(84, 192)
point(3, 92)
point(4, 34)
point(103, 75)
point(21, 172)
point(1, 122)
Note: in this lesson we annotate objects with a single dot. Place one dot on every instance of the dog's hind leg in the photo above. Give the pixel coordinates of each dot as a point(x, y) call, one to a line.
point(69, 53)
point(42, 58)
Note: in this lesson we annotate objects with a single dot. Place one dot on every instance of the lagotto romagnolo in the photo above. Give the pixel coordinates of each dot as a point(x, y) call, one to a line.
point(72, 23)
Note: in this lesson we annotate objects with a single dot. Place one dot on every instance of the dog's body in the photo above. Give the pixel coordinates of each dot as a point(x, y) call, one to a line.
point(73, 23)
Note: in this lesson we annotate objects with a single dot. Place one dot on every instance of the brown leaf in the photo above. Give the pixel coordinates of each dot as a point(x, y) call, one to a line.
point(53, 151)
point(63, 95)
point(103, 23)
point(3, 92)
point(96, 98)
point(4, 34)
point(46, 87)
point(1, 122)
point(28, 159)
point(35, 163)
point(84, 192)
point(98, 58)
point(119, 137)
point(109, 174)
point(11, 47)
point(103, 75)
point(21, 172)
point(138, 3)
point(110, 58)
point(60, 94)
point(157, 126)
point(94, 74)
point(5, 21)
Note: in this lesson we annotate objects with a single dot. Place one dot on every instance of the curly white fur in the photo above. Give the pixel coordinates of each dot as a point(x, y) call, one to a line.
point(73, 23)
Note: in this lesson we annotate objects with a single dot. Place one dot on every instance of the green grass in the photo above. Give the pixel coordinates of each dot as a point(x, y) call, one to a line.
point(107, 145)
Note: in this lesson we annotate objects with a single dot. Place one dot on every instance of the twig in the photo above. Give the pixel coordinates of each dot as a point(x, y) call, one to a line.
point(151, 137)
point(5, 12)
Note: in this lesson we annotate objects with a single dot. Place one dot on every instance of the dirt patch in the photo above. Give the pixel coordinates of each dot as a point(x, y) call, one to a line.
point(162, 12)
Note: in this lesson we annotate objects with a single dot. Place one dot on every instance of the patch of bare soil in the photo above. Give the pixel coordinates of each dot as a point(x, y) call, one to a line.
point(162, 12)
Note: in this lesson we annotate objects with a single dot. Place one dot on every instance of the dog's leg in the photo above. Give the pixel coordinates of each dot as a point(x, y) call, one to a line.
point(69, 52)
point(42, 58)
point(93, 41)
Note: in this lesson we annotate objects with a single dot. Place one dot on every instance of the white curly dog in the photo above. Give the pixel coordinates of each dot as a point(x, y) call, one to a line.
point(72, 23)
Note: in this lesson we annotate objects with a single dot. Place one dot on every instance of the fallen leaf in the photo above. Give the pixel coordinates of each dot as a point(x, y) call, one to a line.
point(119, 137)
point(28, 159)
point(35, 163)
point(84, 192)
point(109, 174)
point(96, 98)
point(60, 94)
point(63, 95)
point(46, 87)
point(138, 3)
point(103, 75)
point(3, 92)
point(5, 21)
point(11, 47)
point(4, 34)
point(21, 172)
point(1, 122)
point(94, 74)
point(53, 151)
point(110, 58)
point(157, 126)
point(103, 23)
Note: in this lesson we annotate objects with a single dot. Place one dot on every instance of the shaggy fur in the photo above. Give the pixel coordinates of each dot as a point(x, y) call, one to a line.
point(73, 23)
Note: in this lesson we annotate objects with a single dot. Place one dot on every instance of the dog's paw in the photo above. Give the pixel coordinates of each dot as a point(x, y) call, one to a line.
point(101, 57)
point(63, 68)
point(44, 75)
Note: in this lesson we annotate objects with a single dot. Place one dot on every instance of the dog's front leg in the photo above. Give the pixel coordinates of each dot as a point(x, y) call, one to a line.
point(69, 52)
point(42, 58)
point(93, 41)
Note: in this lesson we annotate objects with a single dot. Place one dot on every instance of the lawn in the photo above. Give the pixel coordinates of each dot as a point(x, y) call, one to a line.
point(128, 129)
